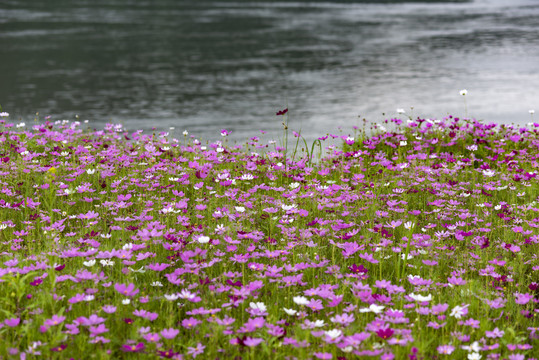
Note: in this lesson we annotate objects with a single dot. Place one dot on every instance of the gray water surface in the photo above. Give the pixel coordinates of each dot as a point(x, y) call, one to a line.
point(207, 65)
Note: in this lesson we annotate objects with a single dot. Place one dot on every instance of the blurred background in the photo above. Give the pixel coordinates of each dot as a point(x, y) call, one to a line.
point(204, 66)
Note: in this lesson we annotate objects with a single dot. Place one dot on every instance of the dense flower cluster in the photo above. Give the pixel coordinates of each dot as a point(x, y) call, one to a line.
point(414, 243)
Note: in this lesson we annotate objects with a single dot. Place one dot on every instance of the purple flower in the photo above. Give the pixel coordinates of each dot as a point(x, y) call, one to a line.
point(170, 333)
point(109, 309)
point(323, 356)
point(55, 320)
point(195, 351)
point(190, 323)
point(445, 349)
point(496, 333)
point(252, 342)
point(127, 290)
point(13, 322)
point(152, 337)
point(522, 299)
point(97, 330)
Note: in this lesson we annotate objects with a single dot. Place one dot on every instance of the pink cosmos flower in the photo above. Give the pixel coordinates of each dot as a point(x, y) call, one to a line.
point(323, 356)
point(127, 290)
point(55, 320)
point(522, 299)
point(195, 351)
point(170, 333)
point(13, 322)
point(252, 342)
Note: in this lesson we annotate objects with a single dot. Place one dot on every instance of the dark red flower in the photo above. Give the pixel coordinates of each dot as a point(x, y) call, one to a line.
point(60, 267)
point(167, 354)
point(358, 269)
point(282, 112)
point(385, 333)
point(59, 348)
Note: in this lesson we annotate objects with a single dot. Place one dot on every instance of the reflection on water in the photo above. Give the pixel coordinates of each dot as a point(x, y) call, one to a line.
point(207, 65)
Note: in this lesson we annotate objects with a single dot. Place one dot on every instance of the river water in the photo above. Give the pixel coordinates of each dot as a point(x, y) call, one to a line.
point(205, 65)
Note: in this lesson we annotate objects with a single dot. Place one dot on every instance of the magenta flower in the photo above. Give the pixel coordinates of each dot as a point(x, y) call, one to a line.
point(59, 348)
point(168, 354)
point(127, 290)
point(357, 269)
point(13, 322)
point(133, 348)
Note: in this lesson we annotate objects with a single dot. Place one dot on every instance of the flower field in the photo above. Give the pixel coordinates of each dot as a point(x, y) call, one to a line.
point(419, 242)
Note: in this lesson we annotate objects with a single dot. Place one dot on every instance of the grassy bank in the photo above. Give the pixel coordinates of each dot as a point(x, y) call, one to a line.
point(419, 242)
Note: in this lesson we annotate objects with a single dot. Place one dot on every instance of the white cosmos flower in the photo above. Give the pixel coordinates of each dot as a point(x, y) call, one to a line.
point(90, 171)
point(141, 270)
point(203, 239)
point(172, 297)
point(156, 283)
point(301, 300)
point(409, 225)
point(420, 298)
point(294, 185)
point(489, 173)
point(377, 309)
point(403, 143)
point(89, 263)
point(239, 209)
point(472, 347)
point(474, 356)
point(126, 301)
point(319, 323)
point(335, 333)
point(288, 207)
point(463, 92)
point(185, 133)
point(409, 257)
point(106, 262)
point(400, 111)
point(457, 311)
point(291, 312)
point(258, 306)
